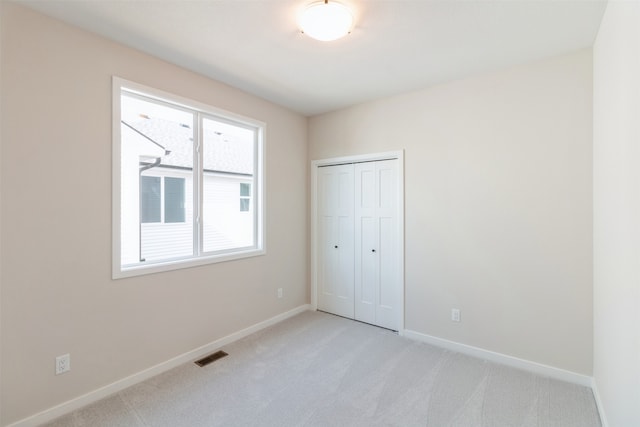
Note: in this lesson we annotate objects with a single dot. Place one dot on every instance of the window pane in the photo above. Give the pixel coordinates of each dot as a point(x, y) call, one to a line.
point(174, 200)
point(228, 158)
point(156, 142)
point(149, 199)
point(244, 205)
point(245, 189)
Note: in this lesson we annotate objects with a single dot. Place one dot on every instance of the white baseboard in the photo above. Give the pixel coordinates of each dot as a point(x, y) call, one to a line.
point(95, 395)
point(514, 362)
point(596, 396)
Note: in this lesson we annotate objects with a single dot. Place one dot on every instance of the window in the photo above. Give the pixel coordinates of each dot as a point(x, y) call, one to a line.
point(245, 196)
point(176, 183)
point(152, 196)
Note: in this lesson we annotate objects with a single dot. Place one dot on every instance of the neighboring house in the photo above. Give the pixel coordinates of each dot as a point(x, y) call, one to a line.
point(157, 189)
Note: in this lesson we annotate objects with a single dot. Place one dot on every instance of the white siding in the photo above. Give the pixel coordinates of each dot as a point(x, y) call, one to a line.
point(162, 241)
point(224, 225)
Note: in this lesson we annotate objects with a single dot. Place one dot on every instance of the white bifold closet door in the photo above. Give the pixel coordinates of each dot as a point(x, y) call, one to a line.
point(335, 228)
point(377, 252)
point(359, 253)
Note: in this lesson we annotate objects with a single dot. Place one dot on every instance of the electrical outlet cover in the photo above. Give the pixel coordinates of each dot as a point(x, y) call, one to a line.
point(63, 364)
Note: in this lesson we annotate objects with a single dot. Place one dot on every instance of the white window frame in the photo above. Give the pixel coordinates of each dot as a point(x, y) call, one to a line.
point(257, 190)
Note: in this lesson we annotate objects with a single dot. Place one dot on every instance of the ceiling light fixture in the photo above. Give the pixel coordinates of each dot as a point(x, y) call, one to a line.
point(326, 21)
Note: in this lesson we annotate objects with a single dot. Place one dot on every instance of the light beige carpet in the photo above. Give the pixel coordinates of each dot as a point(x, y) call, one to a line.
point(317, 369)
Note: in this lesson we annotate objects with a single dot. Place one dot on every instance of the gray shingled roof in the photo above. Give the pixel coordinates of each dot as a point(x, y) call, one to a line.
point(222, 152)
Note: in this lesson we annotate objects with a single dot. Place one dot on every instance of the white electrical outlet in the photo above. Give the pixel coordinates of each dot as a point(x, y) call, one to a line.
point(279, 292)
point(455, 315)
point(63, 364)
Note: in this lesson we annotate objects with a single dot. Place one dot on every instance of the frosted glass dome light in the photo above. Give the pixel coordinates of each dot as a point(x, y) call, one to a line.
point(326, 21)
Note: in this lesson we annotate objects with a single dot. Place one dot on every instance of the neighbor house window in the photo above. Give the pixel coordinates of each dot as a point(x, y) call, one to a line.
point(155, 192)
point(150, 199)
point(245, 196)
point(178, 168)
point(174, 210)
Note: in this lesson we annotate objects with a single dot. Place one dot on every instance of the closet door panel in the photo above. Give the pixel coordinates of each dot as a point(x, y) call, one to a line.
point(335, 240)
point(389, 287)
point(387, 297)
point(327, 185)
point(366, 265)
point(366, 260)
point(365, 187)
point(328, 258)
point(344, 267)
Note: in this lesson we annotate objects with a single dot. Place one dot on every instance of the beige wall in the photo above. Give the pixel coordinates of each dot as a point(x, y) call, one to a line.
point(497, 205)
point(57, 292)
point(617, 213)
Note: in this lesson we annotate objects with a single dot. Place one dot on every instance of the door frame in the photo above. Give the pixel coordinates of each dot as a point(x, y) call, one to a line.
point(315, 164)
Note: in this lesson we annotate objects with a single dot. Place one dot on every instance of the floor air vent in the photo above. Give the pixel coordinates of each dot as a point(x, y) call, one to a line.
point(211, 358)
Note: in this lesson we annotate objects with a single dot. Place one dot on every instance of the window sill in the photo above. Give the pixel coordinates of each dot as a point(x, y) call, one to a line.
point(158, 267)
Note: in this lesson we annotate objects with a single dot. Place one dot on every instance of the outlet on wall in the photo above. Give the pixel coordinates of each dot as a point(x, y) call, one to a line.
point(279, 292)
point(63, 364)
point(455, 315)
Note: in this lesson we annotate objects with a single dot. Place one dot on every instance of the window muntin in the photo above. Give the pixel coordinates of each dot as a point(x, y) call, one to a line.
point(177, 166)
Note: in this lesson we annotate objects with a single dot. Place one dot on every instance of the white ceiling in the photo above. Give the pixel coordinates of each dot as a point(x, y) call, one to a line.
point(396, 45)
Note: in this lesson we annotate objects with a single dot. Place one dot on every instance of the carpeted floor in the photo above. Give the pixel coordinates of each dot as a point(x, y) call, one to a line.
point(317, 369)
